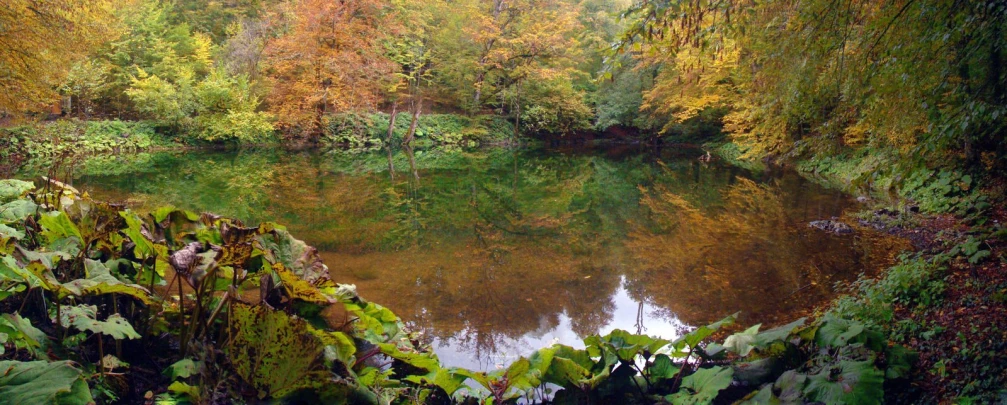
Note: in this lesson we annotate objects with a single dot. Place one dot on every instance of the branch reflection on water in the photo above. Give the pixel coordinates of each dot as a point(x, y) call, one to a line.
point(498, 252)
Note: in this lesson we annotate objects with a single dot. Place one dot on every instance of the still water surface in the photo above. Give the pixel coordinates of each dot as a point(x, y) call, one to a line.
point(494, 253)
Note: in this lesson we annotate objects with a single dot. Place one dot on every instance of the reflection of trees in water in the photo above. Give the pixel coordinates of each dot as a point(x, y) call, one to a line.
point(496, 244)
point(484, 298)
point(589, 300)
point(748, 255)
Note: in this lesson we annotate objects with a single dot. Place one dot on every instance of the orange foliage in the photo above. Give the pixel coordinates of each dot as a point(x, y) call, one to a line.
point(329, 59)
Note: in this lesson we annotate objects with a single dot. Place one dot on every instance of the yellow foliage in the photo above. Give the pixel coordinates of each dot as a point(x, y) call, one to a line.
point(39, 41)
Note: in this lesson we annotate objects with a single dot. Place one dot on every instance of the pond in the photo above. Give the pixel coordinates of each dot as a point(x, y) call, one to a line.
point(493, 253)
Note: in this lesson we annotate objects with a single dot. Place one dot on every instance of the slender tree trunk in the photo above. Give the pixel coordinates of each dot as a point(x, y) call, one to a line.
point(517, 113)
point(391, 121)
point(479, 88)
point(412, 125)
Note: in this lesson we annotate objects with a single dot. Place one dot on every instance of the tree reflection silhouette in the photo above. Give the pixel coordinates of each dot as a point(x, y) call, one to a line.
point(497, 248)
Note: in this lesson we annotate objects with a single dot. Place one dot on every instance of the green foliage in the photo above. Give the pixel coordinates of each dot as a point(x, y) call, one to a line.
point(944, 191)
point(275, 353)
point(915, 281)
point(971, 249)
point(41, 382)
point(166, 71)
point(702, 386)
point(84, 318)
point(20, 333)
point(915, 87)
point(13, 189)
point(371, 130)
point(43, 142)
point(554, 107)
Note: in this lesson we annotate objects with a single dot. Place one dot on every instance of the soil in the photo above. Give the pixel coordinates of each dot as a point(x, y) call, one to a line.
point(962, 339)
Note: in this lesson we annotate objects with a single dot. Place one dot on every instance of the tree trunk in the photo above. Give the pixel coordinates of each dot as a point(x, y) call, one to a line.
point(412, 125)
point(479, 89)
point(517, 115)
point(391, 121)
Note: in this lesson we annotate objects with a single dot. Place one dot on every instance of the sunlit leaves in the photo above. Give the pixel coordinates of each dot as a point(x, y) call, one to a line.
point(274, 352)
point(58, 229)
point(328, 60)
point(49, 37)
point(184, 368)
point(84, 318)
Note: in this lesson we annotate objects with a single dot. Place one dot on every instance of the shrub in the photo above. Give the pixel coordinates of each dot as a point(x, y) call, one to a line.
point(368, 130)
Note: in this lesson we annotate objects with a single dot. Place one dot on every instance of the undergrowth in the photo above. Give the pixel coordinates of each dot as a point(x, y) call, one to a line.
point(357, 130)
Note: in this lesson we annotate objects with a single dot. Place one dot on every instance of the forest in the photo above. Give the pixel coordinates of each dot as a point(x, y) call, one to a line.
point(802, 201)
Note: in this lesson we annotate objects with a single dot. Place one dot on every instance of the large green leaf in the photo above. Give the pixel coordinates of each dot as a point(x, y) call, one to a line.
point(59, 231)
point(10, 233)
point(23, 334)
point(11, 189)
point(702, 386)
point(85, 318)
point(275, 353)
point(849, 382)
point(42, 382)
point(17, 210)
point(11, 270)
point(9, 289)
point(565, 366)
point(420, 360)
point(663, 368)
point(627, 345)
point(100, 281)
point(837, 332)
point(791, 384)
point(692, 339)
point(448, 379)
point(296, 255)
point(144, 246)
point(376, 323)
point(521, 377)
point(338, 345)
point(779, 333)
point(45, 258)
point(184, 368)
point(742, 343)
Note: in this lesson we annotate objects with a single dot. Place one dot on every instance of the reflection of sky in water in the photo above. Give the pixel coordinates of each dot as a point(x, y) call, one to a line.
point(624, 316)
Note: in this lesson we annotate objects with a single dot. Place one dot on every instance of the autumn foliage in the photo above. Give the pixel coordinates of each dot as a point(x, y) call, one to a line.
point(328, 59)
point(39, 40)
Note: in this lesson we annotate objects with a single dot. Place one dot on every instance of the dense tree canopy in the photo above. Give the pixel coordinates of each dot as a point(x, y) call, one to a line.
point(39, 41)
point(920, 80)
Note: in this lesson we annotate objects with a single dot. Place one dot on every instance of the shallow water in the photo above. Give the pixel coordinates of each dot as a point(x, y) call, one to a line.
point(494, 253)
